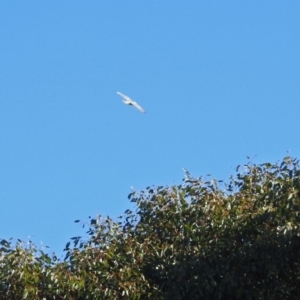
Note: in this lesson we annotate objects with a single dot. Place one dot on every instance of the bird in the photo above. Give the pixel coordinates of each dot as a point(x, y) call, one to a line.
point(129, 101)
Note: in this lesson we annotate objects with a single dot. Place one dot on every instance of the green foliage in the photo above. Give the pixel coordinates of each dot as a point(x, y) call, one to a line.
point(203, 239)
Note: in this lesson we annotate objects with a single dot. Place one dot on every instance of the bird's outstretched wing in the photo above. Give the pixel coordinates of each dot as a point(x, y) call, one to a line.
point(128, 101)
point(124, 97)
point(133, 103)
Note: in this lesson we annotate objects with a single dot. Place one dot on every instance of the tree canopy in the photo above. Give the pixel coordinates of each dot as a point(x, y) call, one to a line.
point(202, 239)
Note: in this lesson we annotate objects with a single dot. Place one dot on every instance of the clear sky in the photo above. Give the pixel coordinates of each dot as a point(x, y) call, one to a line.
point(220, 80)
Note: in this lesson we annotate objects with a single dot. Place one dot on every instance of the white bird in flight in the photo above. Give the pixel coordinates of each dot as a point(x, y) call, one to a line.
point(128, 101)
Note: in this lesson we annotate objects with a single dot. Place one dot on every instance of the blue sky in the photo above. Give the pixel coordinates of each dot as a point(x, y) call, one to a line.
point(220, 80)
